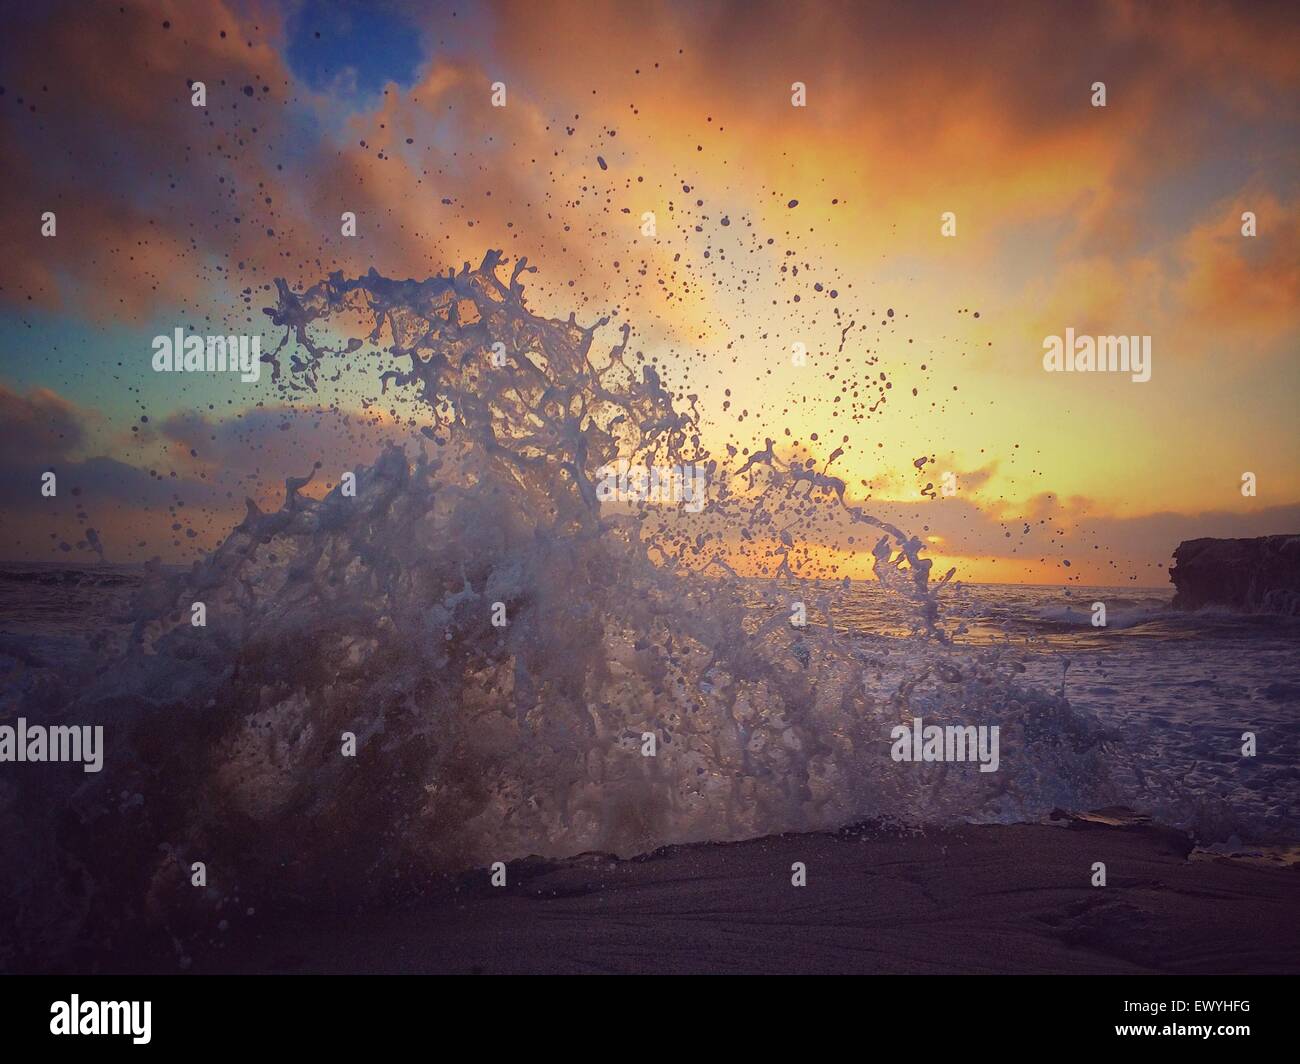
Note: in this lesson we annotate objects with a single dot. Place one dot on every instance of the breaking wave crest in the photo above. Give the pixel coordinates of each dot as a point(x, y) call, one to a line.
point(373, 615)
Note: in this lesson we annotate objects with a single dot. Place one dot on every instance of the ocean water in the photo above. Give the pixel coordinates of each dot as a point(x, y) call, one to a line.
point(476, 655)
point(1174, 691)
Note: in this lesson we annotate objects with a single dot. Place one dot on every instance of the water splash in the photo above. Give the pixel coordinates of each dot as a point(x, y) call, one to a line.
point(372, 615)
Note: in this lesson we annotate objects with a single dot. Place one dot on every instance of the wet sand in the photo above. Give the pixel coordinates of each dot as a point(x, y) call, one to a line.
point(975, 899)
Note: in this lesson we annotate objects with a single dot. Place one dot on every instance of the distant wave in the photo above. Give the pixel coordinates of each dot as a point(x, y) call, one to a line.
point(1057, 618)
point(1069, 616)
point(70, 577)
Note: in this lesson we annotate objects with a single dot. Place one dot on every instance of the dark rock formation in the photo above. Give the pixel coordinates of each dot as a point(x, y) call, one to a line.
point(1256, 575)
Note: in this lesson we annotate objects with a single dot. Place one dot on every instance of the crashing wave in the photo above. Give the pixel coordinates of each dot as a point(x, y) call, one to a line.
point(372, 614)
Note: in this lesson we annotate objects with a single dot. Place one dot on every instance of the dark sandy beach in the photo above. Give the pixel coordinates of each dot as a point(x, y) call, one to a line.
point(991, 899)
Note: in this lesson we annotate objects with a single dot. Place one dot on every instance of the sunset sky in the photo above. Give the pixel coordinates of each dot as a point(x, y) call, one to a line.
point(1124, 219)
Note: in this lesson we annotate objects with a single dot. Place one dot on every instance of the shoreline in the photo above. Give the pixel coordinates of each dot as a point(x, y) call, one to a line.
point(994, 899)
